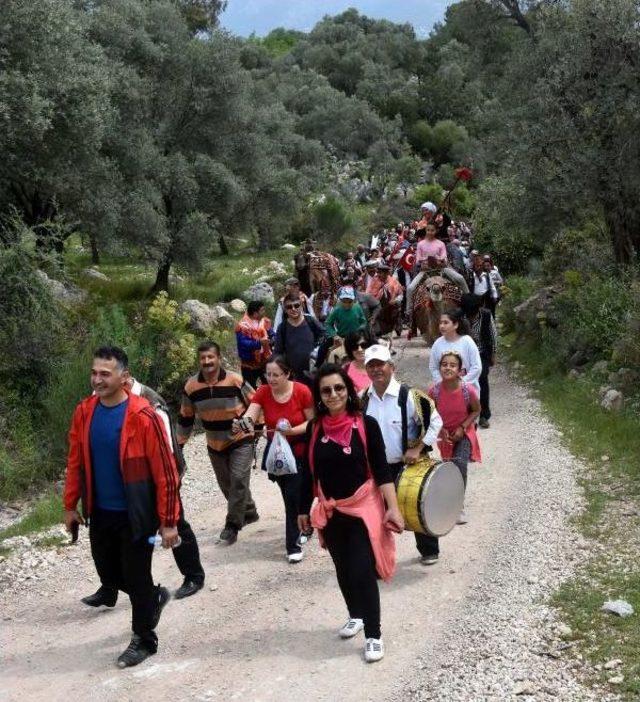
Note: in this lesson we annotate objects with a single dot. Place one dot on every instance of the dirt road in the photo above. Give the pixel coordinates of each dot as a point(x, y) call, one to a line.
point(466, 628)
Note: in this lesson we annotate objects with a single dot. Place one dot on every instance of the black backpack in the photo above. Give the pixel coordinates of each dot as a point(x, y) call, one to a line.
point(403, 396)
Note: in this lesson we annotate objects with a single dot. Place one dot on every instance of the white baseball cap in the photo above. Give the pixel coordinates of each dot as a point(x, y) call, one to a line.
point(377, 352)
point(428, 206)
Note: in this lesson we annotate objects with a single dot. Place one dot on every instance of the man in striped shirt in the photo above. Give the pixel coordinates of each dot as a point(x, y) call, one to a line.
point(217, 397)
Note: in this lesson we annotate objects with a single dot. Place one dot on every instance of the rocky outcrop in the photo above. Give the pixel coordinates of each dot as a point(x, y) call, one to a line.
point(67, 294)
point(95, 274)
point(206, 318)
point(274, 270)
point(612, 400)
point(260, 291)
point(238, 306)
point(536, 311)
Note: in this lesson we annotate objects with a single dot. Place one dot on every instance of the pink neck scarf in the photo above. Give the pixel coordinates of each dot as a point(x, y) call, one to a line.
point(339, 428)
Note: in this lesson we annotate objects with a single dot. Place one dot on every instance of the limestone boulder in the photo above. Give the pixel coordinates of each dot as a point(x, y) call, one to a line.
point(206, 318)
point(260, 291)
point(238, 306)
point(613, 401)
point(64, 293)
point(95, 274)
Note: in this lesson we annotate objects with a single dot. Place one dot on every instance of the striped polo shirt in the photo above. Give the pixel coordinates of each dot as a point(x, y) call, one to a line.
point(216, 404)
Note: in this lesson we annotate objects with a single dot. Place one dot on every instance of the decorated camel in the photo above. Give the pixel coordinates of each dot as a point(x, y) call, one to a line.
point(435, 295)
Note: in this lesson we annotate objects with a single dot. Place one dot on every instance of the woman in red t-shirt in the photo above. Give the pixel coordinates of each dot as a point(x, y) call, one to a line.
point(283, 398)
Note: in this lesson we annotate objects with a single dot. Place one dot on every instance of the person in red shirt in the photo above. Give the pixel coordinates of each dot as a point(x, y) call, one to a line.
point(283, 398)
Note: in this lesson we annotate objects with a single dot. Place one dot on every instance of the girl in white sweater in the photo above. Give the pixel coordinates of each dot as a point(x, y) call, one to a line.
point(454, 327)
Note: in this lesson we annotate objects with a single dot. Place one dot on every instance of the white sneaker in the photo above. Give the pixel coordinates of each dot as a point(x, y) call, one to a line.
point(373, 650)
point(295, 557)
point(351, 628)
point(462, 518)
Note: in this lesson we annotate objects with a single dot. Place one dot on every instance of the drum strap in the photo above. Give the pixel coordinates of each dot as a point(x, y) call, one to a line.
point(403, 396)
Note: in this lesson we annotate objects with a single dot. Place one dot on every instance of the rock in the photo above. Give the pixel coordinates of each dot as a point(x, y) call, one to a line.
point(95, 274)
point(610, 665)
point(67, 294)
point(620, 607)
point(223, 320)
point(291, 247)
point(624, 378)
point(573, 374)
point(604, 459)
point(527, 312)
point(616, 680)
point(259, 291)
point(526, 687)
point(564, 630)
point(613, 401)
point(600, 367)
point(238, 306)
point(205, 318)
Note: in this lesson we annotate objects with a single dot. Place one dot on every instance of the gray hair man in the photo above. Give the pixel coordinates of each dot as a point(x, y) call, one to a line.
point(409, 422)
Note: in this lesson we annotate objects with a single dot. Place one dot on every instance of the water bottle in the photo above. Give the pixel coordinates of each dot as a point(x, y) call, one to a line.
point(156, 541)
point(304, 537)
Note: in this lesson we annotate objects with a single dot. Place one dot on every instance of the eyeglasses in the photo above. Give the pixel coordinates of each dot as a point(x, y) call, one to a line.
point(293, 306)
point(328, 390)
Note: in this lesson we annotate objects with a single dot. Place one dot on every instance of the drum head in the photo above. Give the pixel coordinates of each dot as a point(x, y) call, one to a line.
point(442, 498)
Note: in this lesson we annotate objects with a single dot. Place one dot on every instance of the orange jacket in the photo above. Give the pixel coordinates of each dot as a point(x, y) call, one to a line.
point(376, 287)
point(148, 467)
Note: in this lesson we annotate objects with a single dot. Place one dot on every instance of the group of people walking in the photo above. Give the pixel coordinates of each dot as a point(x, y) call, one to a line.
point(340, 429)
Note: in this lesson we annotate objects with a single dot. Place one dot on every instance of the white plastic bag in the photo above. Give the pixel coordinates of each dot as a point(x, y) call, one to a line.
point(280, 459)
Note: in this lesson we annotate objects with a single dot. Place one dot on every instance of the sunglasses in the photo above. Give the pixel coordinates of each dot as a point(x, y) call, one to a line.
point(362, 345)
point(328, 390)
point(294, 306)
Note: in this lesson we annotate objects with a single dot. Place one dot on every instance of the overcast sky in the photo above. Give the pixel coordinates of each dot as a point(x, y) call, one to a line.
point(261, 16)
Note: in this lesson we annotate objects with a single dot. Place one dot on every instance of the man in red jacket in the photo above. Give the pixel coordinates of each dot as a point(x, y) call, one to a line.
point(121, 466)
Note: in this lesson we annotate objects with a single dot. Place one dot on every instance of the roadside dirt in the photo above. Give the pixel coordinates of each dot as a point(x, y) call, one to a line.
point(265, 630)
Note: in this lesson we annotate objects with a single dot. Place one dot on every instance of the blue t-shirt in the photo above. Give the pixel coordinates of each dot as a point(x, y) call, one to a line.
point(104, 440)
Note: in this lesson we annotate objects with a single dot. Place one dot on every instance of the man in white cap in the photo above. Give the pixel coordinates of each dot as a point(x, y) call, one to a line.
point(409, 422)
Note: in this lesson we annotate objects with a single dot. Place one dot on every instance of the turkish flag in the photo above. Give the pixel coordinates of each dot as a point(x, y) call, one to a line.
point(408, 260)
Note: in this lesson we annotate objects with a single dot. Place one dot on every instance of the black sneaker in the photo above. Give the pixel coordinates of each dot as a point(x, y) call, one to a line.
point(162, 597)
point(103, 596)
point(229, 535)
point(134, 654)
point(188, 588)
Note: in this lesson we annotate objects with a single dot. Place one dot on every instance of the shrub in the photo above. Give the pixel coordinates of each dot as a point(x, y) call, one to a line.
point(166, 347)
point(498, 229)
point(332, 219)
point(516, 290)
point(31, 323)
point(585, 249)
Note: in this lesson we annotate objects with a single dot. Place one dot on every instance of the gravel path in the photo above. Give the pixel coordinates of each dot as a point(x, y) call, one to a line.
point(472, 627)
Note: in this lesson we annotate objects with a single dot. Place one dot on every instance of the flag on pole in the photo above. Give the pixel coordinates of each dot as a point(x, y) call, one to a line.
point(408, 259)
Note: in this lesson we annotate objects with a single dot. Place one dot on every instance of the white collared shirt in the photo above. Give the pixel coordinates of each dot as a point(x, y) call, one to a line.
point(388, 414)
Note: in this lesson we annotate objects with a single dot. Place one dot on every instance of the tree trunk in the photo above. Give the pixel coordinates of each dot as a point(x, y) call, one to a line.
point(95, 252)
point(620, 231)
point(264, 239)
point(224, 249)
point(162, 276)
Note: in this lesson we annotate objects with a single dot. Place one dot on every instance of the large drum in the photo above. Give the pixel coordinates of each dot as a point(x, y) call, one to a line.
point(430, 496)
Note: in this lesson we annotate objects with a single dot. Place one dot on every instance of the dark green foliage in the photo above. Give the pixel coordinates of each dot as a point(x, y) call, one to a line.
point(332, 219)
